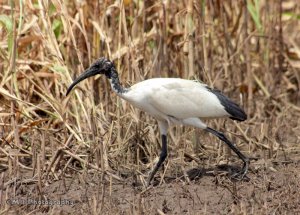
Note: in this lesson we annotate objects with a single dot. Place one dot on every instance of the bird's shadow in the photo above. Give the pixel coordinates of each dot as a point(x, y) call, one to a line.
point(196, 174)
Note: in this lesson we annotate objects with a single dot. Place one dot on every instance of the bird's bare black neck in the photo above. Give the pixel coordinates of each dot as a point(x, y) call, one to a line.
point(113, 76)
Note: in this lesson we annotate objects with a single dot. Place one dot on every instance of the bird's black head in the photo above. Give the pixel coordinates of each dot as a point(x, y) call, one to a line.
point(100, 66)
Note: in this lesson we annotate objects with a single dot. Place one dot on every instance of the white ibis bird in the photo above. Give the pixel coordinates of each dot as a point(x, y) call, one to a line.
point(172, 101)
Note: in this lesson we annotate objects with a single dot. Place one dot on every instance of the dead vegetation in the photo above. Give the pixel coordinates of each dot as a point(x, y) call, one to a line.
point(96, 150)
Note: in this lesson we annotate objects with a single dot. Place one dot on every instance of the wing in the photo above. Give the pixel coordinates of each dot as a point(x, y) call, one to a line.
point(185, 99)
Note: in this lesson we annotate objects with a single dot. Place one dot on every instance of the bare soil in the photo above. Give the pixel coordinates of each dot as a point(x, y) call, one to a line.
point(272, 187)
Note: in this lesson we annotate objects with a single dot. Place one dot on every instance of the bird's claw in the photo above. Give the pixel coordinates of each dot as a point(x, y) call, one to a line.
point(242, 174)
point(239, 176)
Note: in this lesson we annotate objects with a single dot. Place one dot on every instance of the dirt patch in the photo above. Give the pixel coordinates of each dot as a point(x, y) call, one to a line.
point(272, 188)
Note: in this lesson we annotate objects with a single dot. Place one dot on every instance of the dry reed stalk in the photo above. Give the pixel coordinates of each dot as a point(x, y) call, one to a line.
point(13, 86)
point(89, 164)
point(2, 188)
point(247, 59)
point(39, 175)
point(43, 150)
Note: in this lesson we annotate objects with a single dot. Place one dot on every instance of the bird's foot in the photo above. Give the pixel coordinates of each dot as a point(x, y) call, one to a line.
point(241, 175)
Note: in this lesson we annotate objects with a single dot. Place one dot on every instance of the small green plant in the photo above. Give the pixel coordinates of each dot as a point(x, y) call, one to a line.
point(253, 8)
point(8, 24)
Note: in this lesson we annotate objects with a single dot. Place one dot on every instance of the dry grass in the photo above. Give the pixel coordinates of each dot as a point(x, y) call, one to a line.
point(249, 51)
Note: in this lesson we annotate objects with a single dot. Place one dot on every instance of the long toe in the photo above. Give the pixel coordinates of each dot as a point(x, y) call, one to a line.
point(241, 175)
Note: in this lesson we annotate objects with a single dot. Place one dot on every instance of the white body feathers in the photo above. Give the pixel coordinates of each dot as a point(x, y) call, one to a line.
point(175, 100)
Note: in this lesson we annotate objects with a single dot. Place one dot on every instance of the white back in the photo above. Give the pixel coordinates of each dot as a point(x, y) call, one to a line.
point(175, 97)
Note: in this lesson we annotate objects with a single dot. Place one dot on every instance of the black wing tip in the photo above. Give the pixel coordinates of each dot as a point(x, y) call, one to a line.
point(233, 109)
point(242, 116)
point(236, 113)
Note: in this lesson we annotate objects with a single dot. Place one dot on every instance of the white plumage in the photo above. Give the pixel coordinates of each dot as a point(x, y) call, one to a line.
point(172, 101)
point(174, 97)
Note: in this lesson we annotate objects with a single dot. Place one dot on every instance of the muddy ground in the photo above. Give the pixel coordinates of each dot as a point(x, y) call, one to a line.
point(272, 187)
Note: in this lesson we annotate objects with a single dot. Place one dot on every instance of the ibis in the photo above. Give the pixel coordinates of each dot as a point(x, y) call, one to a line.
point(172, 101)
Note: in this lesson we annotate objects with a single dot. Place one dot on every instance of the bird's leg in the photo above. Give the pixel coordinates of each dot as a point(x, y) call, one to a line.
point(222, 137)
point(162, 157)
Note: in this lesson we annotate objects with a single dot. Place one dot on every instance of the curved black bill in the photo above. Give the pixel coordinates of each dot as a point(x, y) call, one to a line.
point(88, 73)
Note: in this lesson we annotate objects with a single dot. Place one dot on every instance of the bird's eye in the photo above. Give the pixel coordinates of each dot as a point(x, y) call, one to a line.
point(107, 65)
